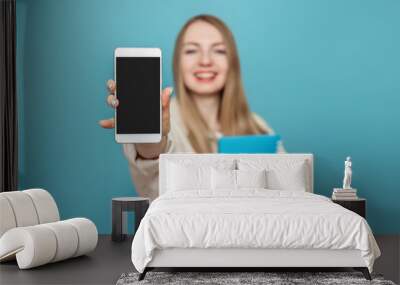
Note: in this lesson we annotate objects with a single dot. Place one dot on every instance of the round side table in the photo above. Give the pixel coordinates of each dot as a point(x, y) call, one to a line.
point(120, 207)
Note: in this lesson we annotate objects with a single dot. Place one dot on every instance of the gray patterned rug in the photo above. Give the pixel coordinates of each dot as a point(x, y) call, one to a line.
point(231, 278)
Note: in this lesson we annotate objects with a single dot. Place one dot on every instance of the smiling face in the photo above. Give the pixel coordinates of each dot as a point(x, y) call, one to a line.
point(204, 61)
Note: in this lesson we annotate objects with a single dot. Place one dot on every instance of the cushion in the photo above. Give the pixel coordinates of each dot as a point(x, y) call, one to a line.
point(226, 179)
point(87, 233)
point(7, 220)
point(67, 237)
point(23, 208)
point(187, 174)
point(181, 178)
point(223, 179)
point(45, 206)
point(281, 174)
point(251, 178)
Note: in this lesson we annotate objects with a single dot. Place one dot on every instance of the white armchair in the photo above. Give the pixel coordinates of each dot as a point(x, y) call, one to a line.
point(31, 230)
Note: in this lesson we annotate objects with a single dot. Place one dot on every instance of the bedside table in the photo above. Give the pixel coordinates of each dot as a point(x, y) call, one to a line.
point(120, 207)
point(358, 206)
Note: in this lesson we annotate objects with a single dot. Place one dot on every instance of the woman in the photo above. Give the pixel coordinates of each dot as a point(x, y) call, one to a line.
point(210, 101)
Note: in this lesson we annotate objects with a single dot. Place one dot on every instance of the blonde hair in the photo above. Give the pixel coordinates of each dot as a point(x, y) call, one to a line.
point(234, 115)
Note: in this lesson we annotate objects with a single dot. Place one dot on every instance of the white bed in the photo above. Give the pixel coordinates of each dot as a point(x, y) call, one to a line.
point(198, 223)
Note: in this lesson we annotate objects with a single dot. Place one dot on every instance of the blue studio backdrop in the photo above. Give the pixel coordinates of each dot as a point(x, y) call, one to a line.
point(324, 74)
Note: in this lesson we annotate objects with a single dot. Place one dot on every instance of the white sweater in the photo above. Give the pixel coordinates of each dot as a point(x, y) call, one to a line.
point(144, 172)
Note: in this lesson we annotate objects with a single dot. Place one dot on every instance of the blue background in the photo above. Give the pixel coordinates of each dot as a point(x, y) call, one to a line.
point(324, 74)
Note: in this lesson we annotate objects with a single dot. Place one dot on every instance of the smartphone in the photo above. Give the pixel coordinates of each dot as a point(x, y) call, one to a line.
point(138, 117)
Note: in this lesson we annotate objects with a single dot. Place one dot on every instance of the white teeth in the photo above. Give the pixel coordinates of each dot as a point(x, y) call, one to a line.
point(204, 75)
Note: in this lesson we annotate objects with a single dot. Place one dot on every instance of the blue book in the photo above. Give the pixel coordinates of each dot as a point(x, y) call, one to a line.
point(249, 144)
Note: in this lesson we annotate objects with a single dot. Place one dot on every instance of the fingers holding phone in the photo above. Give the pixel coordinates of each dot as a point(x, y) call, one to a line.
point(165, 100)
point(112, 101)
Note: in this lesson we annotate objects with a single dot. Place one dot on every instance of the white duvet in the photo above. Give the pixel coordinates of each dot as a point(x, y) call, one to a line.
point(251, 218)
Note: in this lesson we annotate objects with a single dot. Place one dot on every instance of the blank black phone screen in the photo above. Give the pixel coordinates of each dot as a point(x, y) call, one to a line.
point(138, 93)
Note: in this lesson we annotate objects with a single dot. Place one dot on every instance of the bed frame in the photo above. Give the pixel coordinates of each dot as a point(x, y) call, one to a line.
point(246, 258)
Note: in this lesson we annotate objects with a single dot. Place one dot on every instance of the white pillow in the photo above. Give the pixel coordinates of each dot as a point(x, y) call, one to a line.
point(193, 174)
point(251, 178)
point(290, 179)
point(226, 179)
point(181, 177)
point(223, 179)
point(282, 174)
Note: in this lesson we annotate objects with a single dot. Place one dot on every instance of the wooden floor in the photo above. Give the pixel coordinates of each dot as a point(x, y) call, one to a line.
point(111, 259)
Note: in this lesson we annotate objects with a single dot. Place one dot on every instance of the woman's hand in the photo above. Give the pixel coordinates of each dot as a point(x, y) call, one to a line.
point(145, 150)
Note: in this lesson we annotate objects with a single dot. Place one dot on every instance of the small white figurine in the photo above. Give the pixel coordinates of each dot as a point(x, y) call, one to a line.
point(347, 173)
